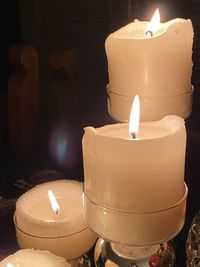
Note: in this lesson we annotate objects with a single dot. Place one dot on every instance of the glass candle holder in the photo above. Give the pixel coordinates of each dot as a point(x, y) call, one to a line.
point(83, 261)
point(111, 254)
point(193, 243)
point(135, 228)
point(152, 108)
point(73, 247)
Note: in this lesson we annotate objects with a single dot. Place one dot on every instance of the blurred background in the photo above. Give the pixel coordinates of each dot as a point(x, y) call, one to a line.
point(69, 69)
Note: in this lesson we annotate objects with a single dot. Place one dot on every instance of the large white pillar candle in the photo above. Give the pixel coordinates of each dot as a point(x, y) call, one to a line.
point(34, 258)
point(139, 175)
point(64, 232)
point(157, 68)
point(143, 174)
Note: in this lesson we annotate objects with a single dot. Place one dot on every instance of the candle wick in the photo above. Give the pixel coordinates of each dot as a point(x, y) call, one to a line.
point(149, 32)
point(57, 210)
point(133, 135)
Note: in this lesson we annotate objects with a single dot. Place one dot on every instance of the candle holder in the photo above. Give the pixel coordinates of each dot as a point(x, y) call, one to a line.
point(83, 261)
point(111, 254)
point(65, 246)
point(193, 242)
point(136, 229)
point(135, 239)
point(152, 108)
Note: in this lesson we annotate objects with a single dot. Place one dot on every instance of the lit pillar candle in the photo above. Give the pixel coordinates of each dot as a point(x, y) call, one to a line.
point(157, 68)
point(51, 217)
point(34, 258)
point(140, 175)
point(144, 174)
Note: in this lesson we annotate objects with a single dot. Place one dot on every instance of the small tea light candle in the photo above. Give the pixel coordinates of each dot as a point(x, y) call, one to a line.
point(34, 258)
point(51, 216)
point(153, 60)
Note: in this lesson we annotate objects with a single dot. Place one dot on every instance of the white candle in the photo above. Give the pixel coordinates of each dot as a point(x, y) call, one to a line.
point(34, 258)
point(157, 68)
point(65, 232)
point(144, 174)
point(137, 176)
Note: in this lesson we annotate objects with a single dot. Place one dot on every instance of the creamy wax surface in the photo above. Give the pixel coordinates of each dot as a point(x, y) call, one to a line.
point(34, 258)
point(64, 233)
point(158, 68)
point(135, 175)
point(151, 66)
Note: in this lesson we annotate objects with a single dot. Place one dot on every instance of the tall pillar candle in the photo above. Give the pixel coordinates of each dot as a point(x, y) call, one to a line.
point(142, 175)
point(157, 68)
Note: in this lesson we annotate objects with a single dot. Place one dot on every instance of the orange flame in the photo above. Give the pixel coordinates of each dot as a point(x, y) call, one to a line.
point(153, 25)
point(54, 204)
point(134, 117)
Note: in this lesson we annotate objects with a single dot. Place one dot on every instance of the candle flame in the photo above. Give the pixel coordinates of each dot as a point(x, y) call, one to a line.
point(153, 25)
point(9, 265)
point(134, 118)
point(54, 204)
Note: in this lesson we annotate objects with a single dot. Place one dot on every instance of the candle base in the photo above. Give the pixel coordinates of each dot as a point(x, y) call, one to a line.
point(70, 247)
point(115, 255)
point(136, 228)
point(152, 108)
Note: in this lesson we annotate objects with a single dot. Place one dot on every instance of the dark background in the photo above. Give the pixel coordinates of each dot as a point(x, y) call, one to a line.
point(83, 26)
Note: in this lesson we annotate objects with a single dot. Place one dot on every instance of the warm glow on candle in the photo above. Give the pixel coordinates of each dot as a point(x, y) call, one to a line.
point(153, 25)
point(134, 117)
point(54, 204)
point(9, 265)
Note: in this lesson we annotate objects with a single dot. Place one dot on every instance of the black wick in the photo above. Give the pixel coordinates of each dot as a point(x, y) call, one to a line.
point(133, 135)
point(149, 32)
